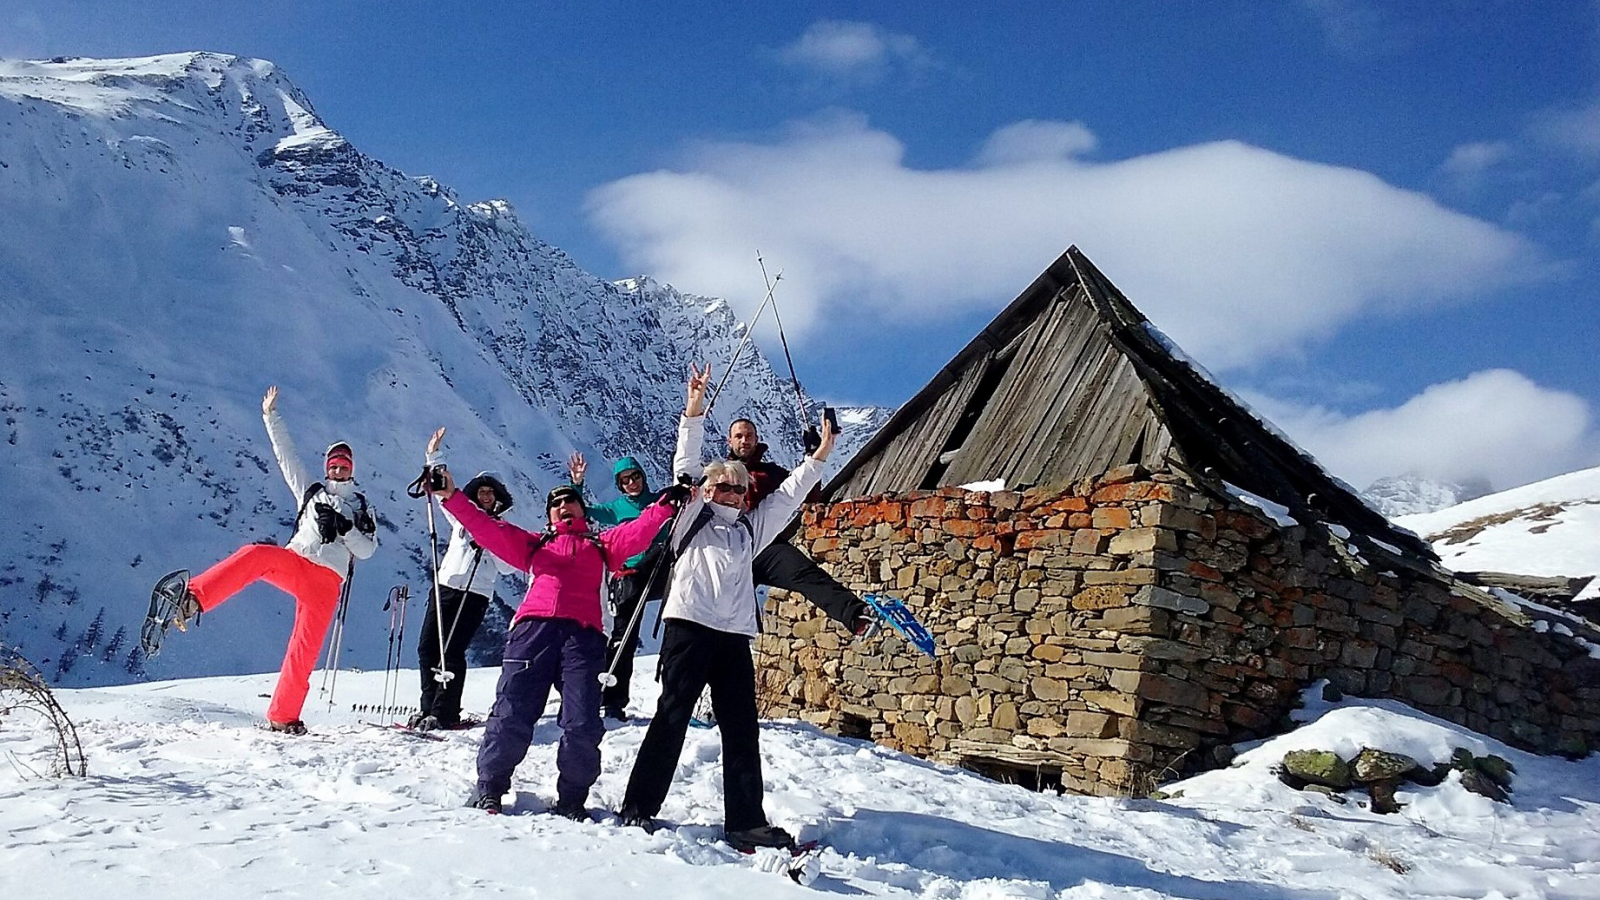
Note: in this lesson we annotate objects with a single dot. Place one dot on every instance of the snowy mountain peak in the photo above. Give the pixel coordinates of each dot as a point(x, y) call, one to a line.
point(179, 232)
point(1409, 494)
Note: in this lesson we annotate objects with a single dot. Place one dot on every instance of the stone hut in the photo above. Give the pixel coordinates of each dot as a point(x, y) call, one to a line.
point(1162, 577)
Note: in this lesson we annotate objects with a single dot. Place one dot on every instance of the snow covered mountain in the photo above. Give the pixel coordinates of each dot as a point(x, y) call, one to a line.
point(1404, 495)
point(1548, 528)
point(179, 232)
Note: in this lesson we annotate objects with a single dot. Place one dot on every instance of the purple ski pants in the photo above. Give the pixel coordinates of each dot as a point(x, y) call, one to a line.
point(541, 654)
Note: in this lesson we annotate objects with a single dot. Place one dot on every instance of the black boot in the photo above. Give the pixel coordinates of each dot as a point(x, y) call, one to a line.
point(749, 839)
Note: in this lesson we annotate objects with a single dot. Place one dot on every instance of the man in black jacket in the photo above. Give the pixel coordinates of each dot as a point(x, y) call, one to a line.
point(781, 564)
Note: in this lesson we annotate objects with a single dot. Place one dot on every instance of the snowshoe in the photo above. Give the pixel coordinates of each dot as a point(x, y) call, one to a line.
point(900, 619)
point(487, 803)
point(293, 727)
point(704, 716)
point(464, 723)
point(170, 604)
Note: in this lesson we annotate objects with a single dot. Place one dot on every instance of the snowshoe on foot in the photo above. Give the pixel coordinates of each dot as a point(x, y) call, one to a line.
point(293, 727)
point(749, 839)
point(638, 820)
point(170, 604)
point(421, 722)
point(486, 802)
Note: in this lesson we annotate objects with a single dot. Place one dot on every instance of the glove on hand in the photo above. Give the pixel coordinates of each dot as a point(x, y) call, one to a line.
point(364, 521)
point(677, 495)
point(330, 524)
point(812, 439)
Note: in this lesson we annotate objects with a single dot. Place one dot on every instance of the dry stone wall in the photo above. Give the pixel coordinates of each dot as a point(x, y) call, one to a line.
point(1129, 628)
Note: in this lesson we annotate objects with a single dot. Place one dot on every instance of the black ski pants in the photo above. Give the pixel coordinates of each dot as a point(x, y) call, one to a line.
point(465, 611)
point(692, 658)
point(782, 565)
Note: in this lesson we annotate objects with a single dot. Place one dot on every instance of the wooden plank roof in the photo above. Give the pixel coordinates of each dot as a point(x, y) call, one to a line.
point(1071, 380)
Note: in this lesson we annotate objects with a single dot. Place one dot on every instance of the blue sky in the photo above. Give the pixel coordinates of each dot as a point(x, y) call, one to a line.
point(1378, 221)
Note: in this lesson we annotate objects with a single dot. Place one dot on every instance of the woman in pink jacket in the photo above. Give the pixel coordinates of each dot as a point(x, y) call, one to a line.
point(557, 637)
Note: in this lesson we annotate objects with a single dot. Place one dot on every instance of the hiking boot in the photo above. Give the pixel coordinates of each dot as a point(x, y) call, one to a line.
point(574, 811)
point(293, 726)
point(749, 839)
point(424, 723)
point(186, 611)
point(616, 713)
point(416, 719)
point(637, 820)
point(867, 625)
point(487, 802)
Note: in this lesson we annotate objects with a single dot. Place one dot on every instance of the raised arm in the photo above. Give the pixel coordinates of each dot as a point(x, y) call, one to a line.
point(503, 539)
point(770, 518)
point(294, 471)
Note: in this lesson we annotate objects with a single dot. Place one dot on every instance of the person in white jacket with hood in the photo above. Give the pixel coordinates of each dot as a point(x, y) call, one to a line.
point(333, 528)
point(712, 614)
point(467, 576)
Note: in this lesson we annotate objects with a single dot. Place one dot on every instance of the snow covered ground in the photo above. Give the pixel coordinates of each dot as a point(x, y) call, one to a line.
point(1549, 528)
point(188, 798)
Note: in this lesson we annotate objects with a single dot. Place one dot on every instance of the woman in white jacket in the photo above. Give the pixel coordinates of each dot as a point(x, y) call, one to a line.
point(467, 575)
point(334, 528)
point(712, 614)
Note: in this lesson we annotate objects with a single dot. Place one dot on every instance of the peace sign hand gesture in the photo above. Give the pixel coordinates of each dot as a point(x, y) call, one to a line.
point(699, 380)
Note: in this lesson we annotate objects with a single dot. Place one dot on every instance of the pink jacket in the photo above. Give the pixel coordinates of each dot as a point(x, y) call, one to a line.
point(565, 573)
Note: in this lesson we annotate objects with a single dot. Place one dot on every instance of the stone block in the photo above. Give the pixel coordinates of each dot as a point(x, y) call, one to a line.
point(1142, 540)
point(1162, 598)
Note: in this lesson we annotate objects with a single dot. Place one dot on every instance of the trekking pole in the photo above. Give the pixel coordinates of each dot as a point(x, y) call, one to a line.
point(396, 607)
point(419, 488)
point(455, 620)
point(338, 629)
point(608, 678)
point(400, 640)
point(747, 333)
point(799, 398)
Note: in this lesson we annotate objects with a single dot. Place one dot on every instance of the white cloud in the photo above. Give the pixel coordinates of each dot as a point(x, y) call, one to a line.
point(858, 51)
point(1239, 253)
point(1495, 424)
point(1469, 161)
point(1034, 141)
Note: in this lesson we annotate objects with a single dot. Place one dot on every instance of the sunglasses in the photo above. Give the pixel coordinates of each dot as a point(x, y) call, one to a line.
point(730, 488)
point(627, 477)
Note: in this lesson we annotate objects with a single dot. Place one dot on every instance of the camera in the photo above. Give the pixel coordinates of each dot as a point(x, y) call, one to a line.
point(436, 478)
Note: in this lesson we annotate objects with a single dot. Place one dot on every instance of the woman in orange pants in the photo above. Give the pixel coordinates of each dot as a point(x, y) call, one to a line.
point(334, 528)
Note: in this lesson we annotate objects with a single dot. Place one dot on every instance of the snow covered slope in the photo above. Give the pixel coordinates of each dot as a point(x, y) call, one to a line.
point(179, 232)
point(1550, 527)
point(188, 800)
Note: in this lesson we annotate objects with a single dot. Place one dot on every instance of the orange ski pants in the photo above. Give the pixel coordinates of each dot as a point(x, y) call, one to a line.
point(316, 598)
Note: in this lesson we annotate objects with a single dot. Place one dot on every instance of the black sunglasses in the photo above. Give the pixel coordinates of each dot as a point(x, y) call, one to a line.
point(730, 488)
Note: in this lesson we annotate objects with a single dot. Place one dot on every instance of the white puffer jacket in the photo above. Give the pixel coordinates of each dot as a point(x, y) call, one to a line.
point(341, 495)
point(711, 581)
point(457, 563)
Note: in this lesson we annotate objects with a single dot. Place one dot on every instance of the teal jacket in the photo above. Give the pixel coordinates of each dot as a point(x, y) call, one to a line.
point(624, 508)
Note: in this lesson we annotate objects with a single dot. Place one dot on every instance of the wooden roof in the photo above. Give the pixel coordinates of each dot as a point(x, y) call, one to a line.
point(1070, 381)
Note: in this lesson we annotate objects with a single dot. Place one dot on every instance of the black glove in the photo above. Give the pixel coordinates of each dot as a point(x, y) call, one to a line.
point(677, 495)
point(812, 439)
point(364, 521)
point(330, 524)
